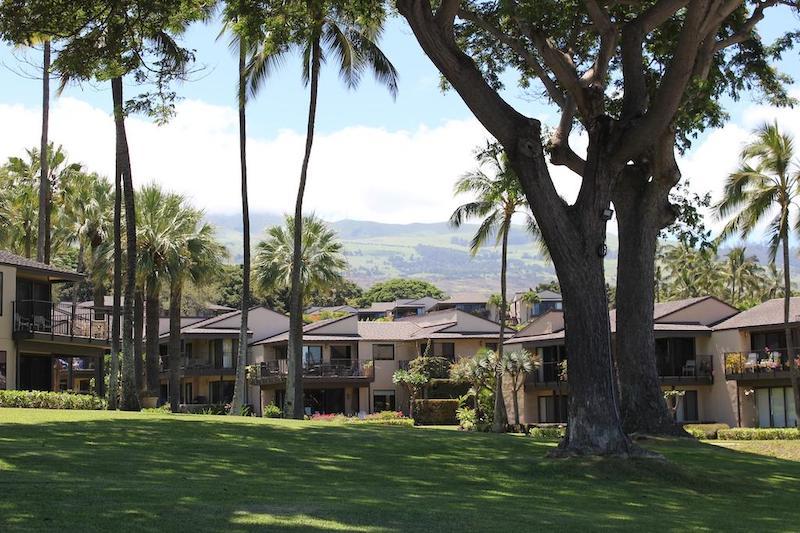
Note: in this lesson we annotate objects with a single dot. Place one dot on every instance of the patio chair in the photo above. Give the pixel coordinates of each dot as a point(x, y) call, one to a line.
point(775, 358)
point(690, 368)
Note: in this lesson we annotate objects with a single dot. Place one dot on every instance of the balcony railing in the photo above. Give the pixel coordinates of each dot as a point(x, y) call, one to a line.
point(194, 365)
point(757, 364)
point(62, 320)
point(699, 368)
point(335, 368)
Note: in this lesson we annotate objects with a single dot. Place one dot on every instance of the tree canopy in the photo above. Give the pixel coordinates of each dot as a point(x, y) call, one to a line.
point(394, 289)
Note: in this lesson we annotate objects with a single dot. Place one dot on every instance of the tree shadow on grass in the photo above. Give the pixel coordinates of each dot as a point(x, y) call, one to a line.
point(203, 473)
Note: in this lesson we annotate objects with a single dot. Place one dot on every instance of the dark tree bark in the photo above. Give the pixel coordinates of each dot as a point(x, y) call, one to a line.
point(43, 242)
point(294, 380)
point(152, 314)
point(175, 294)
point(113, 379)
point(500, 418)
point(129, 400)
point(138, 340)
point(794, 371)
point(641, 213)
point(240, 387)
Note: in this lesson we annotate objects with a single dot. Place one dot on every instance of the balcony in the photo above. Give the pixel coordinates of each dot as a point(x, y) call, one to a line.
point(549, 375)
point(190, 366)
point(341, 371)
point(40, 319)
point(757, 366)
point(697, 370)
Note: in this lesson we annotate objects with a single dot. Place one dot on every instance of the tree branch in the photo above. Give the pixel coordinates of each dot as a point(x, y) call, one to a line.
point(519, 48)
point(561, 153)
point(745, 32)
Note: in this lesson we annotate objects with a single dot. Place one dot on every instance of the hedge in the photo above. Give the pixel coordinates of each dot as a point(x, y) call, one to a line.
point(50, 400)
point(435, 412)
point(548, 432)
point(704, 431)
point(759, 434)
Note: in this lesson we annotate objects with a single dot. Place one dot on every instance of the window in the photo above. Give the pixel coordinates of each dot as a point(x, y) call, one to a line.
point(689, 409)
point(491, 346)
point(1, 295)
point(341, 353)
point(282, 352)
point(383, 400)
point(552, 409)
point(188, 349)
point(312, 355)
point(187, 393)
point(383, 351)
point(220, 392)
point(3, 370)
point(775, 406)
point(448, 350)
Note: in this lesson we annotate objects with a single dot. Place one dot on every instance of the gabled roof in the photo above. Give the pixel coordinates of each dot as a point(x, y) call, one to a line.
point(466, 298)
point(53, 273)
point(215, 325)
point(769, 313)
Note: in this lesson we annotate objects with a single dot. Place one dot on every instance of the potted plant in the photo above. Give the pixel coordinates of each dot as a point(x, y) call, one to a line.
point(149, 399)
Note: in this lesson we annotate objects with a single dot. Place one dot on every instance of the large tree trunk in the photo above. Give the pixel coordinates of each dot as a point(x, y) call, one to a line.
point(240, 387)
point(641, 213)
point(294, 380)
point(175, 293)
point(577, 247)
point(129, 400)
point(43, 242)
point(138, 340)
point(794, 370)
point(500, 418)
point(152, 313)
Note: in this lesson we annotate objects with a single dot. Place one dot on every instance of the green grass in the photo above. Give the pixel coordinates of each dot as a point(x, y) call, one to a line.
point(84, 470)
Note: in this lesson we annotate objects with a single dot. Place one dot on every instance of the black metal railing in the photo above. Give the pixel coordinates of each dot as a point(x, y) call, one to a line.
point(697, 367)
point(60, 319)
point(763, 363)
point(550, 372)
point(188, 364)
point(342, 368)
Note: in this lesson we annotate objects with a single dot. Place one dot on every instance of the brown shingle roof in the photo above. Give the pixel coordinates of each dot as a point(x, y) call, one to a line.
point(769, 313)
point(57, 273)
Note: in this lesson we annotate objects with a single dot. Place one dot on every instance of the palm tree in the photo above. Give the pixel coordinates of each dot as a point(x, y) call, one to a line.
point(236, 18)
point(158, 228)
point(766, 188)
point(517, 365)
point(349, 33)
point(743, 275)
point(43, 246)
point(498, 197)
point(194, 255)
point(322, 260)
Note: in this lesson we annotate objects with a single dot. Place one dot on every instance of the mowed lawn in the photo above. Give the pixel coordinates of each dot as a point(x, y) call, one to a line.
point(85, 470)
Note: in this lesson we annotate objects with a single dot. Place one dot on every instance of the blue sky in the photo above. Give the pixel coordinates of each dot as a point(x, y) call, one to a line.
point(426, 136)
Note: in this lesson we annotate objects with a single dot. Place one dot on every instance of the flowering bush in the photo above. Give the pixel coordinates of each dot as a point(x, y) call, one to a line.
point(388, 418)
point(385, 415)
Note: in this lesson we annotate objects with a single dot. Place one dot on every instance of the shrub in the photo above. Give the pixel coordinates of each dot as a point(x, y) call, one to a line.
point(434, 412)
point(385, 418)
point(385, 415)
point(554, 432)
point(759, 434)
point(272, 411)
point(704, 431)
point(50, 400)
point(467, 418)
point(165, 408)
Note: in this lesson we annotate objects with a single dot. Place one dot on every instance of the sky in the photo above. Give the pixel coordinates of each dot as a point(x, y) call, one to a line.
point(374, 158)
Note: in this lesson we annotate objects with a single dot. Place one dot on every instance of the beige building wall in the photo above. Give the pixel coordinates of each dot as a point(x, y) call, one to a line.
point(7, 345)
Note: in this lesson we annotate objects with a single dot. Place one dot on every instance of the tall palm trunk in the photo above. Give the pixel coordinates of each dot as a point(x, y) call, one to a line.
point(129, 400)
point(43, 243)
point(175, 294)
point(113, 379)
point(240, 387)
point(138, 340)
point(500, 419)
point(794, 371)
point(76, 288)
point(152, 313)
point(294, 381)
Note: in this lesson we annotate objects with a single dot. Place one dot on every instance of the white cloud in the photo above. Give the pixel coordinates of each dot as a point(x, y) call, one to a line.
point(356, 172)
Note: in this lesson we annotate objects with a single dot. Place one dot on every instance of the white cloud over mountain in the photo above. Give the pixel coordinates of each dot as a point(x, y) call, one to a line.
point(357, 172)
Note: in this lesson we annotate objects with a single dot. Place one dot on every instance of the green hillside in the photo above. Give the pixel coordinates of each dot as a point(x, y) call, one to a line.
point(435, 252)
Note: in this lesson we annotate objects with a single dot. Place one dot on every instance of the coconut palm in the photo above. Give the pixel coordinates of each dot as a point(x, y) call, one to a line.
point(321, 261)
point(498, 198)
point(743, 275)
point(193, 255)
point(766, 189)
point(347, 32)
point(45, 205)
point(243, 35)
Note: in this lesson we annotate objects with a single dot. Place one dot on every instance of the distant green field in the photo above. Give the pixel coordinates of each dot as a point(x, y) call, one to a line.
point(107, 471)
